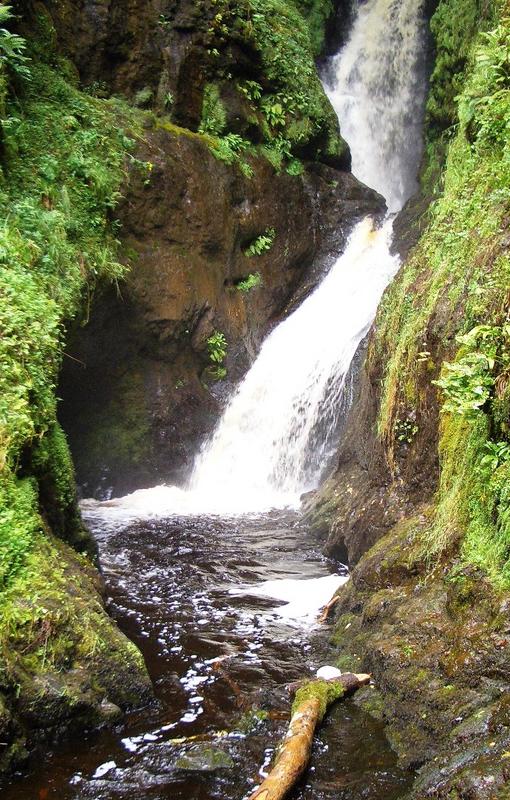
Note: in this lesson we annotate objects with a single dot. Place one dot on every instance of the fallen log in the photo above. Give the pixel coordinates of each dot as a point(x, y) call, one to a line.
point(327, 608)
point(308, 709)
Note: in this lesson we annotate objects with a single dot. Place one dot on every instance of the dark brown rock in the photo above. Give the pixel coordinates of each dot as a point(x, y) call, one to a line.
point(138, 398)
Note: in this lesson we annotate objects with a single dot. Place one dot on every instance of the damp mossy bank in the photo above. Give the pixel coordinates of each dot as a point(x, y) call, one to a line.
point(63, 160)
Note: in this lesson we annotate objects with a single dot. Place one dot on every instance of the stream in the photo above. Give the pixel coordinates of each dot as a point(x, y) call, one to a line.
point(193, 593)
point(220, 583)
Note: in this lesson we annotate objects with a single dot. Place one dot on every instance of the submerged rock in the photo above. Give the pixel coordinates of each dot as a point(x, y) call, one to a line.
point(204, 758)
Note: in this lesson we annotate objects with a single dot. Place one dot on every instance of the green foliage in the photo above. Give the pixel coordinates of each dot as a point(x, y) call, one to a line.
point(217, 347)
point(12, 48)
point(467, 383)
point(484, 108)
point(251, 89)
point(229, 148)
point(214, 116)
point(454, 25)
point(405, 430)
point(19, 524)
point(261, 244)
point(273, 111)
point(217, 351)
point(494, 455)
point(143, 97)
point(252, 281)
point(52, 459)
point(295, 167)
point(64, 159)
point(316, 13)
point(280, 32)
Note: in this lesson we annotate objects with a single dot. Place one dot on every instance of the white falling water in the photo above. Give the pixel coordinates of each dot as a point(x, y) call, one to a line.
point(377, 87)
point(277, 434)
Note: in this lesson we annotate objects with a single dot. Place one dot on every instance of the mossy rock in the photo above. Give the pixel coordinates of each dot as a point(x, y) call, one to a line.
point(326, 692)
point(204, 758)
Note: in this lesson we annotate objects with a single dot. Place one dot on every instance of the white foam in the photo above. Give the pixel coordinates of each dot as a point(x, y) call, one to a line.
point(304, 598)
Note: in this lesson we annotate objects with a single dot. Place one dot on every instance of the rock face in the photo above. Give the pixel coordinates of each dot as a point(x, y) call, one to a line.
point(212, 63)
point(138, 392)
point(375, 486)
point(68, 666)
point(437, 645)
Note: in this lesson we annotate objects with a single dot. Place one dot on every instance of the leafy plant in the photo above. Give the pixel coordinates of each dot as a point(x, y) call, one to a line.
point(13, 48)
point(217, 347)
point(273, 111)
point(468, 381)
point(295, 167)
point(494, 455)
point(252, 281)
point(214, 116)
point(405, 430)
point(279, 31)
point(251, 89)
point(466, 384)
point(261, 244)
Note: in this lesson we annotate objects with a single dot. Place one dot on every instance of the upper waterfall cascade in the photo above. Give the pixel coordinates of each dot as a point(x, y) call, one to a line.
point(278, 433)
point(377, 87)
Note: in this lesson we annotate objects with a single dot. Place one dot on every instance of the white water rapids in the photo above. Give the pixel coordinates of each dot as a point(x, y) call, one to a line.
point(277, 434)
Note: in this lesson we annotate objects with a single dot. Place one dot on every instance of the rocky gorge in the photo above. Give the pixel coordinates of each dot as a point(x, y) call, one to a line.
point(144, 295)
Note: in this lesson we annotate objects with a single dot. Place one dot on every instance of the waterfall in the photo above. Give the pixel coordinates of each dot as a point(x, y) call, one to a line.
point(377, 87)
point(277, 434)
point(274, 438)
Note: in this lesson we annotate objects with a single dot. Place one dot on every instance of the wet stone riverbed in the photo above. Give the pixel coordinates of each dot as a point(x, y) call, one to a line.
point(215, 608)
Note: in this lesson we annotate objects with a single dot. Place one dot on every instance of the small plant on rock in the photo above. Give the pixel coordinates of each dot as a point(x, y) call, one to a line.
point(217, 350)
point(261, 244)
point(252, 281)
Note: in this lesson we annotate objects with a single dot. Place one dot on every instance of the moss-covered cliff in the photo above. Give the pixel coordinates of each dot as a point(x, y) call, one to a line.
point(62, 163)
point(421, 491)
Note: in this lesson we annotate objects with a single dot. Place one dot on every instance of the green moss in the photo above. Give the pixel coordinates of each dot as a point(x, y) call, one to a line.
point(46, 630)
point(20, 524)
point(326, 692)
point(64, 159)
point(317, 13)
point(457, 279)
point(347, 662)
point(288, 103)
point(52, 458)
point(214, 116)
point(454, 25)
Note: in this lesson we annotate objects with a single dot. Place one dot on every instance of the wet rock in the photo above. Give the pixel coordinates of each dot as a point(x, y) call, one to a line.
point(109, 712)
point(67, 663)
point(204, 758)
point(434, 644)
point(139, 398)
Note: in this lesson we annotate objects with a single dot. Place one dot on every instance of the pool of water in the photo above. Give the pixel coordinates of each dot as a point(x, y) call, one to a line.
point(224, 611)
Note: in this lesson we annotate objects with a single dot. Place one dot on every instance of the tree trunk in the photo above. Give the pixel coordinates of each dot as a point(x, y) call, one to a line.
point(310, 705)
